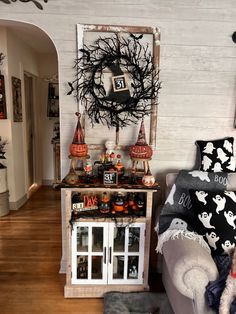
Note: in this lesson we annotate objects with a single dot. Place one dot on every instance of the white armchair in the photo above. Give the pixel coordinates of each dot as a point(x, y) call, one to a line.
point(186, 270)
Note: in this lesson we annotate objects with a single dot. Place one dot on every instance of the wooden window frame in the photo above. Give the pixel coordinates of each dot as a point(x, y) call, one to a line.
point(155, 32)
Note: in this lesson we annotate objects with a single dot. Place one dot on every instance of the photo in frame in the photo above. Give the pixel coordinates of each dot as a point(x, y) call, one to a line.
point(3, 109)
point(110, 178)
point(119, 83)
point(53, 100)
point(17, 100)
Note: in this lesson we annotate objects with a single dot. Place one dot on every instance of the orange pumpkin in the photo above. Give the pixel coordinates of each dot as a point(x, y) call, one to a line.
point(148, 179)
point(140, 151)
point(78, 150)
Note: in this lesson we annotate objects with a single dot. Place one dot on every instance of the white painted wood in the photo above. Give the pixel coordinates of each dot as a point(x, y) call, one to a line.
point(88, 253)
point(126, 254)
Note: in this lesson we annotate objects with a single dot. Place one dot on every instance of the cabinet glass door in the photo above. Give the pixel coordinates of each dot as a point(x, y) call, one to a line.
point(89, 253)
point(126, 254)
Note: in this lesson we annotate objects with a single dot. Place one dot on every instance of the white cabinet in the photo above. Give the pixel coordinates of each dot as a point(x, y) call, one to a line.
point(106, 253)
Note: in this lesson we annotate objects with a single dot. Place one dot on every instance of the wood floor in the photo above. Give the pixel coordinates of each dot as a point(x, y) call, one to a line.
point(30, 252)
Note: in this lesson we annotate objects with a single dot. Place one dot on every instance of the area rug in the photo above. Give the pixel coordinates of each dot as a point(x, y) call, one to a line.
point(136, 303)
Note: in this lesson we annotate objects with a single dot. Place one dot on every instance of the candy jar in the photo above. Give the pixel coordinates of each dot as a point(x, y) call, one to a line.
point(119, 167)
point(88, 169)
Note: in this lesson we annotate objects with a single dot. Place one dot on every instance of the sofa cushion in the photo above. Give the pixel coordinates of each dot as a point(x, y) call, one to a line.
point(217, 155)
point(215, 214)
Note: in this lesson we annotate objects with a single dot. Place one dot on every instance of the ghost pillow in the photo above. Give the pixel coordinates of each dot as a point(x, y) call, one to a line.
point(217, 155)
point(215, 219)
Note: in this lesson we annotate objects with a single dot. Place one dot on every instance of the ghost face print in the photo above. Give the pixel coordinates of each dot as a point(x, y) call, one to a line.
point(201, 195)
point(217, 155)
point(220, 202)
point(178, 224)
point(205, 220)
point(215, 215)
point(228, 247)
point(212, 238)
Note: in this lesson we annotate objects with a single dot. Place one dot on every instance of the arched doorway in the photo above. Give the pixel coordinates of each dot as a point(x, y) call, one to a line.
point(31, 58)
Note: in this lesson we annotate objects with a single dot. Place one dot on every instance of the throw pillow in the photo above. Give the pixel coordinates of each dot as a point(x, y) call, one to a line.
point(215, 214)
point(217, 155)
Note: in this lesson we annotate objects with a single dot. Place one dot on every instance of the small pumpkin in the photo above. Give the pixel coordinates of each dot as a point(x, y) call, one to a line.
point(148, 179)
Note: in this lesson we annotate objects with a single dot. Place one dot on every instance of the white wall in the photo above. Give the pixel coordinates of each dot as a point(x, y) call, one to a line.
point(48, 67)
point(198, 65)
point(21, 58)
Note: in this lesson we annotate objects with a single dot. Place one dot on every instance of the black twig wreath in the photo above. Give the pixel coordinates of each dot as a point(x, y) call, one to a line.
point(117, 109)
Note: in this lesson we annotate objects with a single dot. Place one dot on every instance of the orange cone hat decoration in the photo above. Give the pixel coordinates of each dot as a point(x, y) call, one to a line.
point(141, 135)
point(141, 149)
point(78, 148)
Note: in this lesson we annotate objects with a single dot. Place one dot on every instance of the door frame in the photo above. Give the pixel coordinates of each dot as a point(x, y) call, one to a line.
point(36, 137)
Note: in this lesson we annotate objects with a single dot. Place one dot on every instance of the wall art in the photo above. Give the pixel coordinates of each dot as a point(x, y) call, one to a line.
point(117, 75)
point(3, 109)
point(53, 100)
point(16, 98)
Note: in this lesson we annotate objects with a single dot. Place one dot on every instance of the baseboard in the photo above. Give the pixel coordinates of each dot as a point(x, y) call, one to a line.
point(16, 205)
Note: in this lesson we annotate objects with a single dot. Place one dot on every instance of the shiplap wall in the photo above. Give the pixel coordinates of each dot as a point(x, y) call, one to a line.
point(197, 66)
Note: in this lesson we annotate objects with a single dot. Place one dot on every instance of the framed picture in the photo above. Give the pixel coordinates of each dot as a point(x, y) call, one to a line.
point(17, 101)
point(3, 109)
point(110, 178)
point(53, 100)
point(119, 83)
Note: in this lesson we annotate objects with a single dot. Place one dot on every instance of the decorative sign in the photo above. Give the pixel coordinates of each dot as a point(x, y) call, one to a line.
point(119, 83)
point(110, 177)
point(37, 3)
point(88, 203)
point(17, 102)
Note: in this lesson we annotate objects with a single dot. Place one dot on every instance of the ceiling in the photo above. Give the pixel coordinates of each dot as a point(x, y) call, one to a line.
point(33, 36)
